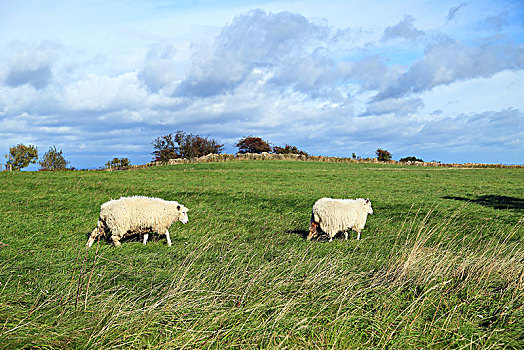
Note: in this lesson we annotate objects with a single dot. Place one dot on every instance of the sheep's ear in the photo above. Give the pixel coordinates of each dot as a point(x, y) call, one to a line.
point(178, 207)
point(367, 200)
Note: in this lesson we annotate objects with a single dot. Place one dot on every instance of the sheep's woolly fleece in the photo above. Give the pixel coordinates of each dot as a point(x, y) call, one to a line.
point(336, 215)
point(138, 214)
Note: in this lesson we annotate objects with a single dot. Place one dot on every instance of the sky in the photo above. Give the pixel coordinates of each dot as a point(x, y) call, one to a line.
point(98, 79)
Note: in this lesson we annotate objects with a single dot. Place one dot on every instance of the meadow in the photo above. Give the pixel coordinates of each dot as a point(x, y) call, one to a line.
point(440, 263)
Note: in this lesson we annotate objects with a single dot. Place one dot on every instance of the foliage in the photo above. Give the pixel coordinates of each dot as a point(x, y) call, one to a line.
point(53, 160)
point(252, 144)
point(410, 159)
point(183, 145)
point(118, 163)
point(288, 149)
point(20, 156)
point(383, 155)
point(439, 265)
point(165, 148)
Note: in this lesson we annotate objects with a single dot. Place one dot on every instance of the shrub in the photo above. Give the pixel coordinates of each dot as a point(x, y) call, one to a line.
point(53, 160)
point(118, 163)
point(288, 149)
point(20, 156)
point(383, 155)
point(410, 159)
point(165, 148)
point(183, 145)
point(252, 144)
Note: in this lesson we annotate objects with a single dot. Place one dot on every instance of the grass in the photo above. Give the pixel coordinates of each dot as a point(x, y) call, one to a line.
point(440, 263)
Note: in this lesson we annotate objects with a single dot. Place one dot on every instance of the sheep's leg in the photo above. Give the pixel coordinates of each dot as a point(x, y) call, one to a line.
point(358, 234)
point(116, 240)
point(346, 235)
point(331, 238)
point(92, 238)
point(146, 236)
point(99, 230)
point(168, 238)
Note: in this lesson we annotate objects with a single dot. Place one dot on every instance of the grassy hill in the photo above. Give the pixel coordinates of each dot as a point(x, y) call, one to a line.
point(440, 263)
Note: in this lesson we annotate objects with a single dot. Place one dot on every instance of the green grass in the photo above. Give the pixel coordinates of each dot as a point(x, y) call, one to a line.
point(440, 263)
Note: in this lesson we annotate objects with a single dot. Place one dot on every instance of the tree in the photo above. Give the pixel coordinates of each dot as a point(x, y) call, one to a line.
point(288, 149)
point(183, 145)
point(165, 148)
point(118, 163)
point(383, 155)
point(251, 144)
point(20, 156)
point(410, 159)
point(53, 160)
point(194, 146)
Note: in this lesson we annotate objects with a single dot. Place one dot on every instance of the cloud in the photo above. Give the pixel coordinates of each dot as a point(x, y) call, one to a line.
point(405, 30)
point(493, 130)
point(281, 76)
point(104, 93)
point(160, 67)
point(31, 64)
point(495, 22)
point(256, 40)
point(447, 61)
point(452, 13)
point(397, 107)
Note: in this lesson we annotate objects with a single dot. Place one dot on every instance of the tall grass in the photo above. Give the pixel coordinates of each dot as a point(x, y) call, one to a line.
point(436, 290)
point(428, 273)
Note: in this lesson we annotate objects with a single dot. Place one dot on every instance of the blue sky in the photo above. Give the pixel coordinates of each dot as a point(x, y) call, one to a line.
point(441, 80)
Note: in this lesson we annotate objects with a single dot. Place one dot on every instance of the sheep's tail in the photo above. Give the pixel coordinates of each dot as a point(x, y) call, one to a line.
point(99, 230)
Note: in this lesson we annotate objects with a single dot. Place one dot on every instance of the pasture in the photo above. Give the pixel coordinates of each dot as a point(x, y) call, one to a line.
point(440, 263)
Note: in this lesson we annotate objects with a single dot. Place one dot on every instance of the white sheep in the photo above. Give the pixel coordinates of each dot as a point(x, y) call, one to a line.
point(336, 215)
point(137, 214)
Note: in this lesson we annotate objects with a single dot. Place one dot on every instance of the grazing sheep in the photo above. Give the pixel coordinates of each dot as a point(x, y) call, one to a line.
point(335, 215)
point(137, 214)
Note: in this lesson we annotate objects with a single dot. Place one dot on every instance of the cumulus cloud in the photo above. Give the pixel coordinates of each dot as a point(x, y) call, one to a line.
point(159, 67)
point(281, 76)
point(31, 64)
point(254, 40)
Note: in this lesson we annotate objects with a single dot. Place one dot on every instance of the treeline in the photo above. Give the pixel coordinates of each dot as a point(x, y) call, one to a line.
point(180, 145)
point(188, 146)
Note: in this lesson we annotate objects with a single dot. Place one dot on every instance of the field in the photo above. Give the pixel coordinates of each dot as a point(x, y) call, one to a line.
point(440, 263)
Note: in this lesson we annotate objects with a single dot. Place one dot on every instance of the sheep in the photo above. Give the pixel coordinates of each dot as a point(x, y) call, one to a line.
point(335, 215)
point(137, 214)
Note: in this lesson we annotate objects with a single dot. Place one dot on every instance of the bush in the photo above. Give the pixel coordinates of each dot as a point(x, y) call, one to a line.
point(410, 159)
point(251, 144)
point(288, 149)
point(383, 155)
point(118, 163)
point(182, 145)
point(20, 156)
point(53, 160)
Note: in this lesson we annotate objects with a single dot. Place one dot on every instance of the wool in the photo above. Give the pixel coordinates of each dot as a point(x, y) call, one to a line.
point(339, 215)
point(137, 214)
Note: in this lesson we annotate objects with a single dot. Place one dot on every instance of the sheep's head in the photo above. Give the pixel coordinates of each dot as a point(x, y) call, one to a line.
point(313, 231)
point(182, 214)
point(369, 210)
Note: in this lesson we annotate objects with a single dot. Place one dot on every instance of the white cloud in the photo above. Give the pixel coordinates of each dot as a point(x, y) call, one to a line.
point(352, 81)
point(405, 29)
point(447, 61)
